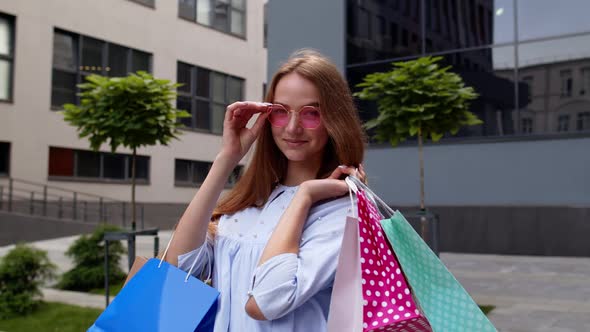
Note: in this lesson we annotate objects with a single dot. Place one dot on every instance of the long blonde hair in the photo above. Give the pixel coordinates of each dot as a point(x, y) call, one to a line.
point(346, 143)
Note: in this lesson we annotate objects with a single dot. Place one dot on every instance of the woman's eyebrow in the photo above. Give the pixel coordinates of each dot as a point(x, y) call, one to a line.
point(289, 107)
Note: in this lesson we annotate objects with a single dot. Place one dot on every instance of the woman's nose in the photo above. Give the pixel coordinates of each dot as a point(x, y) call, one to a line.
point(293, 126)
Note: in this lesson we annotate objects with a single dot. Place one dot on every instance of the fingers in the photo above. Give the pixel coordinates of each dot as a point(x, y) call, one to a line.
point(244, 110)
point(340, 170)
point(359, 173)
point(257, 127)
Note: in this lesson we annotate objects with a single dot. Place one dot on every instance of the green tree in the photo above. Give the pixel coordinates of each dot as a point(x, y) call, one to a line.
point(88, 254)
point(420, 98)
point(22, 272)
point(132, 111)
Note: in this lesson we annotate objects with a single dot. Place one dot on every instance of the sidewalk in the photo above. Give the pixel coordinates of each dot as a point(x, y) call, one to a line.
point(529, 293)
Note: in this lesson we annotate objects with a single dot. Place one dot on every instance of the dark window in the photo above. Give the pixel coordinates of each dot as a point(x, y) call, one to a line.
point(76, 56)
point(194, 172)
point(566, 83)
point(527, 125)
point(528, 80)
point(394, 35)
point(265, 28)
point(190, 172)
point(563, 123)
point(6, 56)
point(223, 15)
point(363, 28)
point(205, 94)
point(64, 162)
point(148, 3)
point(583, 121)
point(405, 41)
point(4, 158)
point(585, 73)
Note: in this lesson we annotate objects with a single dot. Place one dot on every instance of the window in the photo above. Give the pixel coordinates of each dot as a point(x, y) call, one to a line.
point(194, 172)
point(563, 123)
point(528, 80)
point(4, 158)
point(566, 83)
point(583, 121)
point(265, 28)
point(205, 94)
point(527, 125)
point(76, 56)
point(6, 56)
point(394, 35)
point(224, 15)
point(363, 28)
point(83, 164)
point(148, 3)
point(585, 73)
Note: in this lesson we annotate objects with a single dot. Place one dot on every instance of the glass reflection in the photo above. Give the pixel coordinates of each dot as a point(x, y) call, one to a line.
point(550, 59)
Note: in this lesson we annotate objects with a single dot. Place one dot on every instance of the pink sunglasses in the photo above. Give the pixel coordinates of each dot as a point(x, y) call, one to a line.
point(309, 116)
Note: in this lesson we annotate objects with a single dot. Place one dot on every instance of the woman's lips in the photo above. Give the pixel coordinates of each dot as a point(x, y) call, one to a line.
point(293, 143)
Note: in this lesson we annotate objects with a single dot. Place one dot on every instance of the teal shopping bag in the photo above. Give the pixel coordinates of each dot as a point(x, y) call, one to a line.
point(444, 302)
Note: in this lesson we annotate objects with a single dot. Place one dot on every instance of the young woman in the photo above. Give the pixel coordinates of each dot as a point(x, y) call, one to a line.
point(274, 239)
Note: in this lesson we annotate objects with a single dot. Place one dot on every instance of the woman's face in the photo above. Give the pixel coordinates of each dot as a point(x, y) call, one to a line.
point(297, 143)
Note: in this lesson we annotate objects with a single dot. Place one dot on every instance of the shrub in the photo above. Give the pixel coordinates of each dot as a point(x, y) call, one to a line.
point(22, 272)
point(88, 254)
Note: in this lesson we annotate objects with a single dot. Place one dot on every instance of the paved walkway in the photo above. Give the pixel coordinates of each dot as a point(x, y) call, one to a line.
point(530, 293)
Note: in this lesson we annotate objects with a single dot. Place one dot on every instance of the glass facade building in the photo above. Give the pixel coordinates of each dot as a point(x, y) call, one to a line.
point(529, 60)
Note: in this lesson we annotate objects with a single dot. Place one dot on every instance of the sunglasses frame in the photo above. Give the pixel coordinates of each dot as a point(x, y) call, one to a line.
point(270, 108)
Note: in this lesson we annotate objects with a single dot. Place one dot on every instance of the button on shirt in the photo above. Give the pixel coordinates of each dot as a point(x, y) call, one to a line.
point(292, 290)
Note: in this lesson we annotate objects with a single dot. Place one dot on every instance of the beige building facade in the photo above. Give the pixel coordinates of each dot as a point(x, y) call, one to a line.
point(215, 47)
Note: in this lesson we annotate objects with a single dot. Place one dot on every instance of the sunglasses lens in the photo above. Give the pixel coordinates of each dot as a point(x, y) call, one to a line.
point(278, 116)
point(310, 117)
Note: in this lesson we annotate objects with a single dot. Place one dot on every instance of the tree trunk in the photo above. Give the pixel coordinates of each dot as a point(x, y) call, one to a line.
point(133, 189)
point(423, 219)
point(421, 156)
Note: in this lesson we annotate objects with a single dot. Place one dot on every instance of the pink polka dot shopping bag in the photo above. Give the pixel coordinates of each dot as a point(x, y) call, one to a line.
point(370, 291)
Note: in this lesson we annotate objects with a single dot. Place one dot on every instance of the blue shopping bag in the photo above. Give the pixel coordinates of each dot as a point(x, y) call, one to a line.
point(160, 298)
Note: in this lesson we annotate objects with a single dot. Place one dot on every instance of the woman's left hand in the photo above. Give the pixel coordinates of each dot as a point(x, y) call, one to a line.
point(332, 186)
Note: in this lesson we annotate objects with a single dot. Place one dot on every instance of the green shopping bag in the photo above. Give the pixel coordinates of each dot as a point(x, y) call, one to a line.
point(444, 302)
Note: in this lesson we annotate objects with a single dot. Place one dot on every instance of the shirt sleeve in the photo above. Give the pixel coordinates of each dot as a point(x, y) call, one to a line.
point(286, 281)
point(202, 257)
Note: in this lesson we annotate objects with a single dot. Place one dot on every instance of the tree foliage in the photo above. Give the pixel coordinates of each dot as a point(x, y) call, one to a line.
point(418, 96)
point(132, 111)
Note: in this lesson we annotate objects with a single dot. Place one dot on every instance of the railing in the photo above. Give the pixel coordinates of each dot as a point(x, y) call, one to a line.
point(37, 199)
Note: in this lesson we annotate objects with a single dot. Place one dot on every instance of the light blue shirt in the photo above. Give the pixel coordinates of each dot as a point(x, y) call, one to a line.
point(292, 290)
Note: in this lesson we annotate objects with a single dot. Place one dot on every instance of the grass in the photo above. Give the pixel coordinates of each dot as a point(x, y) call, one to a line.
point(113, 289)
point(486, 308)
point(53, 317)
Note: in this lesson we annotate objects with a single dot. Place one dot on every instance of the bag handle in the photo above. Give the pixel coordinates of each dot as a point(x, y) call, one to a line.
point(371, 195)
point(352, 187)
point(194, 261)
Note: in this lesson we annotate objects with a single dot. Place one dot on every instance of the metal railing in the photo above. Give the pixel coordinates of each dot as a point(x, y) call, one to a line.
point(38, 199)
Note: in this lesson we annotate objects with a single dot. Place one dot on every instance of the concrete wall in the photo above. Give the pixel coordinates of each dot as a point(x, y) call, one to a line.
point(31, 127)
point(291, 27)
point(550, 172)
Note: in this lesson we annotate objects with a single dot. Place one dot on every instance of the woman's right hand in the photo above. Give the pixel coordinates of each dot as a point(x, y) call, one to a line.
point(237, 138)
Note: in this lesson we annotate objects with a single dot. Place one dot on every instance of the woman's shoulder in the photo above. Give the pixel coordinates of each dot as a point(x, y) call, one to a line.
point(335, 206)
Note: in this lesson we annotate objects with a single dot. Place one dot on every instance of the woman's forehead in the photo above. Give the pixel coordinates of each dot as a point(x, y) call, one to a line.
point(294, 88)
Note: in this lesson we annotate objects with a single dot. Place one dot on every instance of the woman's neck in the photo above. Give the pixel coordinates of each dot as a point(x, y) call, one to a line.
point(300, 171)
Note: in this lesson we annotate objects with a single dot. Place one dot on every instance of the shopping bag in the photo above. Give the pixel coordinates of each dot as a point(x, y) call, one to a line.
point(388, 303)
point(160, 298)
point(443, 300)
point(346, 304)
point(138, 263)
